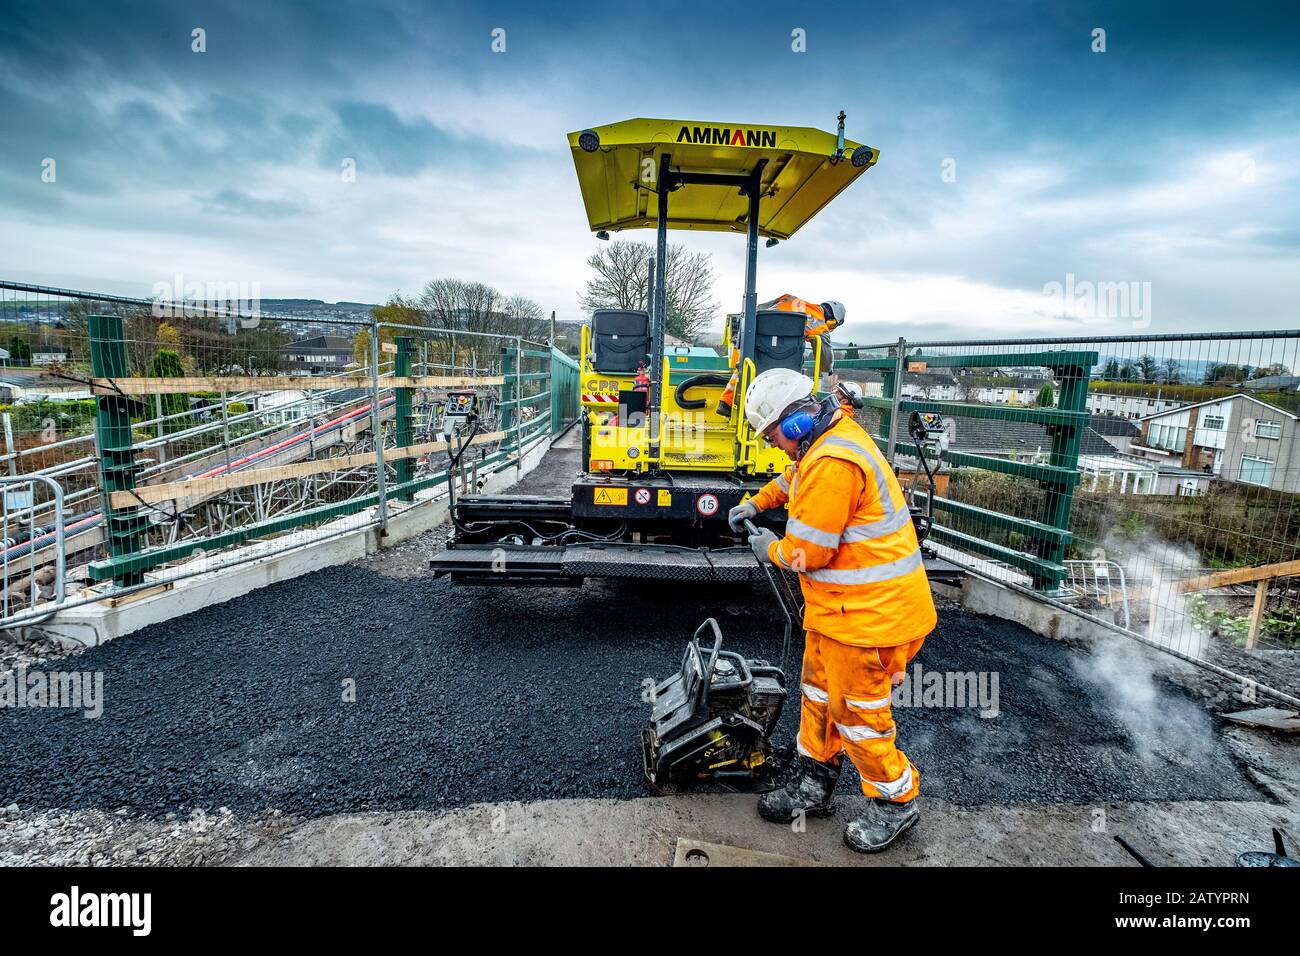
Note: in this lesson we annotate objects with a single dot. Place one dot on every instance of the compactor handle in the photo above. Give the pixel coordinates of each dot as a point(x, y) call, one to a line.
point(707, 669)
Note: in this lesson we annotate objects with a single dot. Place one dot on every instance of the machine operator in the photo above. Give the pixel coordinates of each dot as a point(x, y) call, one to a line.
point(819, 321)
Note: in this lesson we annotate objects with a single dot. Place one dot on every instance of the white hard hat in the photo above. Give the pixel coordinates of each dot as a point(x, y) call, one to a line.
point(773, 392)
point(834, 311)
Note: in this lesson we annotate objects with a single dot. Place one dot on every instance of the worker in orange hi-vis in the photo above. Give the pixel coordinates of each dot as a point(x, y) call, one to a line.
point(820, 320)
point(868, 607)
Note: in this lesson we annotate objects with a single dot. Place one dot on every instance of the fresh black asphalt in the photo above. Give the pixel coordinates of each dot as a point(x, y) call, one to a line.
point(465, 695)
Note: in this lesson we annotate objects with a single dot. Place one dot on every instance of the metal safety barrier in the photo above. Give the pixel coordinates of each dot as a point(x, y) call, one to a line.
point(194, 436)
point(32, 588)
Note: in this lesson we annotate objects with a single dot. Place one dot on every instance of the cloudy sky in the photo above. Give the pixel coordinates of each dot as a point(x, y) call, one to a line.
point(1172, 158)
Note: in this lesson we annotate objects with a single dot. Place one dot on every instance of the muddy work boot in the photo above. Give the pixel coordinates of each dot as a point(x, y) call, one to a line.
point(808, 789)
point(882, 824)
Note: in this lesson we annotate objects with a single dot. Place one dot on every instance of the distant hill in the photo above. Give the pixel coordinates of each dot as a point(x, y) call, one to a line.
point(296, 304)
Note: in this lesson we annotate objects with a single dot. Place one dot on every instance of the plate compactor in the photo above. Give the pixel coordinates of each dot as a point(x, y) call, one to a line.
point(713, 720)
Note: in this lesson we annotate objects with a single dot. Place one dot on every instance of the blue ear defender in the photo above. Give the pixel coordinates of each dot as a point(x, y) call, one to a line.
point(797, 426)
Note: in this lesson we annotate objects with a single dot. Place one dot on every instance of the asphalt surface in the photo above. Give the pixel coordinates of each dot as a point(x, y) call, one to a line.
point(469, 695)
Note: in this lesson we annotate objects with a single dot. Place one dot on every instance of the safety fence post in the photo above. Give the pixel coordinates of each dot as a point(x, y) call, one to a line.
point(125, 527)
point(893, 390)
point(1067, 439)
point(509, 361)
point(405, 425)
point(376, 430)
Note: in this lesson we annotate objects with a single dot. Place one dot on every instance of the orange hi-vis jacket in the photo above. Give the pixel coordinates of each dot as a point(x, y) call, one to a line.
point(815, 321)
point(849, 535)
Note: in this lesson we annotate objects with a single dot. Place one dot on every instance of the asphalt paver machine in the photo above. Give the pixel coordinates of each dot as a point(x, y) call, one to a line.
point(661, 465)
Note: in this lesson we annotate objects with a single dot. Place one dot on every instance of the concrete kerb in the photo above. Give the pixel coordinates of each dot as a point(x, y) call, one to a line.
point(340, 541)
point(983, 596)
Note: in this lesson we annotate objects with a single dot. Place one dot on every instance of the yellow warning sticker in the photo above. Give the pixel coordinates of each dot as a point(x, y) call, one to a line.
point(611, 496)
point(665, 498)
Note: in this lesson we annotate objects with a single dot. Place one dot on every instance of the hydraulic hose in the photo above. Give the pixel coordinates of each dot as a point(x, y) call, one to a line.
point(696, 381)
point(451, 477)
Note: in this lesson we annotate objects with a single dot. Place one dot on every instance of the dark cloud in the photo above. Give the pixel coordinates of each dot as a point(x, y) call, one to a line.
point(152, 138)
point(379, 139)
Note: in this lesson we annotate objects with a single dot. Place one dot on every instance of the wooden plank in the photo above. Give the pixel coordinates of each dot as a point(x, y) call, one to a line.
point(1257, 614)
point(202, 487)
point(1274, 718)
point(1239, 576)
point(272, 383)
point(138, 595)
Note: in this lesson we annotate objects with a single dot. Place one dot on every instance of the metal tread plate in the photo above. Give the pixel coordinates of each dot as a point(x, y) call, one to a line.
point(650, 562)
point(658, 562)
point(499, 558)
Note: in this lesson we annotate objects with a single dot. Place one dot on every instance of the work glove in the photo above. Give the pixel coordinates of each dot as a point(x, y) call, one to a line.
point(736, 516)
point(758, 543)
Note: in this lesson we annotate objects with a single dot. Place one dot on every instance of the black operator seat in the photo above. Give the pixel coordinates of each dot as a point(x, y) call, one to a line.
point(620, 340)
point(778, 342)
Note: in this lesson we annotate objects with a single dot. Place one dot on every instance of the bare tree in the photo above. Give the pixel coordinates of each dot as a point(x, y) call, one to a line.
point(622, 277)
point(458, 305)
point(439, 300)
point(525, 318)
point(622, 271)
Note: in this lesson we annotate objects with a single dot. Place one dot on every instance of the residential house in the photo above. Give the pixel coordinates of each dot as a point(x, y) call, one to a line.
point(1102, 467)
point(318, 354)
point(289, 405)
point(1236, 438)
point(1008, 389)
point(20, 386)
point(1126, 405)
point(870, 381)
point(931, 386)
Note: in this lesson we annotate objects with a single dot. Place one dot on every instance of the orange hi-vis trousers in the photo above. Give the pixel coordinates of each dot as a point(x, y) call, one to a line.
point(847, 692)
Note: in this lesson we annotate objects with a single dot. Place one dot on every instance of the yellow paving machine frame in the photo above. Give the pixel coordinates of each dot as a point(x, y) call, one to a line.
point(658, 479)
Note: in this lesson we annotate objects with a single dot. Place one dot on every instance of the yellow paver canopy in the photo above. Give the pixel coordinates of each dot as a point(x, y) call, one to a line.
point(618, 170)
